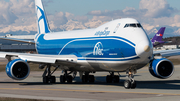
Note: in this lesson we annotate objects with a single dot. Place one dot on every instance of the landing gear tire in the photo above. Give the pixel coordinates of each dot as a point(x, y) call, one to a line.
point(47, 75)
point(62, 79)
point(84, 79)
point(108, 79)
point(130, 83)
point(127, 84)
point(69, 79)
point(91, 78)
point(66, 77)
point(133, 85)
point(45, 79)
point(116, 79)
point(112, 78)
point(88, 78)
point(52, 79)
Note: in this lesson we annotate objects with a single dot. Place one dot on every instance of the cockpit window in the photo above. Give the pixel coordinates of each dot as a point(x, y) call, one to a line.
point(139, 25)
point(133, 25)
point(127, 25)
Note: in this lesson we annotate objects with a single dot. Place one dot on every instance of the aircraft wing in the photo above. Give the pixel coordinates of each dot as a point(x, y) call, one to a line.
point(66, 60)
point(18, 40)
point(167, 53)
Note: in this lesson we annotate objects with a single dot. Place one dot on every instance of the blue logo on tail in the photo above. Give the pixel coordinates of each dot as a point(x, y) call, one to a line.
point(45, 21)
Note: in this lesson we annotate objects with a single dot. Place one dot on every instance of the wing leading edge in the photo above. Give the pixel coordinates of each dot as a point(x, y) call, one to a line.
point(167, 53)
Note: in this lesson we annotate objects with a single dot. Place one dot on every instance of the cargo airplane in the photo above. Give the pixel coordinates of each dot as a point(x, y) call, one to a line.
point(157, 39)
point(120, 45)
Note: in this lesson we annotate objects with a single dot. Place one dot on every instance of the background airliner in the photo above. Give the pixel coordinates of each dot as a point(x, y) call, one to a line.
point(120, 45)
point(157, 39)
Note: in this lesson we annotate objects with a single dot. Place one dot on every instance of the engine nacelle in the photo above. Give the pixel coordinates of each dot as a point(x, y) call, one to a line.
point(161, 68)
point(17, 69)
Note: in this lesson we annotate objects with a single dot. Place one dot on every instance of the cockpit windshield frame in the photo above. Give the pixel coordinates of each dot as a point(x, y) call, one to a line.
point(135, 25)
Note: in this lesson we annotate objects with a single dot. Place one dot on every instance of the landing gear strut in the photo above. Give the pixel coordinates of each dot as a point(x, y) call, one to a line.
point(47, 75)
point(112, 78)
point(130, 83)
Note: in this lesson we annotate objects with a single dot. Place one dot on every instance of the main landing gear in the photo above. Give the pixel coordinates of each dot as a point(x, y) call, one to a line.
point(130, 83)
point(112, 78)
point(48, 78)
point(47, 75)
point(88, 78)
point(67, 78)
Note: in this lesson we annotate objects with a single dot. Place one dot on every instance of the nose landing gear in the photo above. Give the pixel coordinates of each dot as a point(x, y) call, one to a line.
point(130, 83)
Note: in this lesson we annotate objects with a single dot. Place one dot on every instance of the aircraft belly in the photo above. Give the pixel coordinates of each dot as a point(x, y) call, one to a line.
point(118, 66)
point(113, 67)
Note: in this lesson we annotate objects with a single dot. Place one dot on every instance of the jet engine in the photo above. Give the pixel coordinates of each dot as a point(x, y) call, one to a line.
point(161, 68)
point(17, 69)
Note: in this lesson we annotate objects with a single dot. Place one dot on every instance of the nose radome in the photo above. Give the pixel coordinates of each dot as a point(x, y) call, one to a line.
point(143, 48)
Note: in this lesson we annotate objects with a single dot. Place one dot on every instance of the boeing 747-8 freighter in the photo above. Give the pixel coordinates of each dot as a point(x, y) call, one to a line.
point(120, 45)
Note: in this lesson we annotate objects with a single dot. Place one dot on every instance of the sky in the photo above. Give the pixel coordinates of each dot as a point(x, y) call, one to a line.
point(19, 17)
point(84, 6)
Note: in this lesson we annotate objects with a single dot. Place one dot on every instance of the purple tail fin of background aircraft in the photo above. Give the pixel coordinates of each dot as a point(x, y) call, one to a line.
point(157, 39)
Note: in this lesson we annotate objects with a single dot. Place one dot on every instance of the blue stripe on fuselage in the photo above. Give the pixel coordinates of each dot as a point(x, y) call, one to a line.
point(42, 40)
point(83, 47)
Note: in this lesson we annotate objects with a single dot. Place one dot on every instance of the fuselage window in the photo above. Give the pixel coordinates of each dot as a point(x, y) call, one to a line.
point(117, 27)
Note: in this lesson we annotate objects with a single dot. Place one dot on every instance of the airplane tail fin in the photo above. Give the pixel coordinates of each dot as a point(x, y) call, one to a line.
point(158, 36)
point(42, 22)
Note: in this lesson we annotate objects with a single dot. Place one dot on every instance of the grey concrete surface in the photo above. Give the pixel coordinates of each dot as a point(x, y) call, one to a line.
point(148, 88)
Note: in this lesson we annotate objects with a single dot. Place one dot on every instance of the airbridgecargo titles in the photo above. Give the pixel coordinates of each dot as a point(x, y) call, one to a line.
point(102, 33)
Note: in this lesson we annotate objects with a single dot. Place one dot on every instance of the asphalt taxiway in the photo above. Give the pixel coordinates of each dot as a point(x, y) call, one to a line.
point(148, 88)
